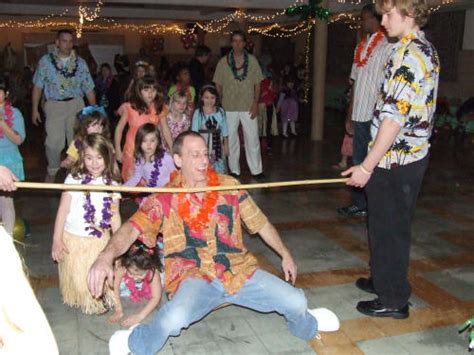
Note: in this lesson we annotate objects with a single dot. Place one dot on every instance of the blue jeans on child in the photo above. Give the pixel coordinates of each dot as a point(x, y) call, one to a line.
point(195, 298)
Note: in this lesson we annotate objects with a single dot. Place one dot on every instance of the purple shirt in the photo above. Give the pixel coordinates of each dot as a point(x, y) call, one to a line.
point(144, 169)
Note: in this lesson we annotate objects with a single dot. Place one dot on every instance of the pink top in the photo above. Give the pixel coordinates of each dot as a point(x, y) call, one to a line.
point(267, 92)
point(177, 127)
point(138, 293)
point(135, 120)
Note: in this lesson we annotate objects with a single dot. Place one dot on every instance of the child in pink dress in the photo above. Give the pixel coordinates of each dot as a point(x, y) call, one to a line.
point(177, 119)
point(146, 106)
point(288, 106)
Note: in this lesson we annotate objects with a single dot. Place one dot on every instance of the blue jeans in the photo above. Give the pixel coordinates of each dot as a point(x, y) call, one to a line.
point(195, 298)
point(359, 152)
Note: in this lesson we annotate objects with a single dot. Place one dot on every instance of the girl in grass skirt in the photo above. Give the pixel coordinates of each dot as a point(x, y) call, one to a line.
point(83, 224)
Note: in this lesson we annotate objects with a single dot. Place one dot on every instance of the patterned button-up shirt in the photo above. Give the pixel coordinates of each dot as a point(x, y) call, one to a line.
point(408, 96)
point(58, 86)
point(237, 95)
point(217, 251)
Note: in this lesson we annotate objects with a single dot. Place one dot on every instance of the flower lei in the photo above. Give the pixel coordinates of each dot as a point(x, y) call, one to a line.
point(64, 71)
point(135, 294)
point(156, 169)
point(89, 214)
point(201, 219)
point(361, 62)
point(233, 67)
point(8, 112)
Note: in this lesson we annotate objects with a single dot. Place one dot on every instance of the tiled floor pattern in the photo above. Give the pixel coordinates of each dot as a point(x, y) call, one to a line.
point(331, 253)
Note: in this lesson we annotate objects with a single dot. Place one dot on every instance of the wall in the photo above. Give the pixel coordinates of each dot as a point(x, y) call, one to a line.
point(131, 41)
point(464, 85)
point(468, 40)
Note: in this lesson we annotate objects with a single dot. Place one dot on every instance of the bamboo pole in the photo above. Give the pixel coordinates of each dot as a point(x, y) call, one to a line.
point(121, 188)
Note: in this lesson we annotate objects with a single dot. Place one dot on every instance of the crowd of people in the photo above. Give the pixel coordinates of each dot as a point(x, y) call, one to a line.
point(189, 245)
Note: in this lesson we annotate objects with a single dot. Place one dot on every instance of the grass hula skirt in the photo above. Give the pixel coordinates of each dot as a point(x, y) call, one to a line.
point(73, 269)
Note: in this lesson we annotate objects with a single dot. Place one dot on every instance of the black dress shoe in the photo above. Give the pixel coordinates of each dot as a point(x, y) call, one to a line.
point(259, 176)
point(352, 211)
point(376, 309)
point(365, 284)
point(235, 176)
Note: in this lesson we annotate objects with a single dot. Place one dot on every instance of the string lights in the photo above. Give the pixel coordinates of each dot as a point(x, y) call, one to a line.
point(84, 15)
point(219, 25)
point(307, 49)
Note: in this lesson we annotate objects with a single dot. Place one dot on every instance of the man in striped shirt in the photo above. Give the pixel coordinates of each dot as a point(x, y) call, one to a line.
point(369, 60)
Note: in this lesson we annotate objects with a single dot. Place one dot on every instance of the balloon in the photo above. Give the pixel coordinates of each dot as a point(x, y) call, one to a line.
point(19, 230)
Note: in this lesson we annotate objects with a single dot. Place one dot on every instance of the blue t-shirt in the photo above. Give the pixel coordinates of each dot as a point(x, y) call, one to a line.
point(18, 126)
point(200, 119)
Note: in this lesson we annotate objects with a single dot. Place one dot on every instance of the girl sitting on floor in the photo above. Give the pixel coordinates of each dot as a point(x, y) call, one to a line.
point(137, 277)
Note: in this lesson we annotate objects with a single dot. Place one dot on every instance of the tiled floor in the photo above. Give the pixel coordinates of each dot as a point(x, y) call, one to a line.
point(331, 253)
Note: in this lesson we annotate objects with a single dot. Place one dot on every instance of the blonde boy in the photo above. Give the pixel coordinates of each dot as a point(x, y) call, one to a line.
point(399, 151)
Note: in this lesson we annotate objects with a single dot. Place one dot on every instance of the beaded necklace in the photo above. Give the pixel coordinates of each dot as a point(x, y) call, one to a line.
point(233, 67)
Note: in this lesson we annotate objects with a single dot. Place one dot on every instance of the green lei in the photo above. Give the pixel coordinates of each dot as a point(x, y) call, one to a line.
point(67, 72)
point(233, 67)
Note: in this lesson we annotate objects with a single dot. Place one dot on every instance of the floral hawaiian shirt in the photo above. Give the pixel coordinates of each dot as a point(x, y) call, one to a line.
point(76, 82)
point(217, 251)
point(408, 96)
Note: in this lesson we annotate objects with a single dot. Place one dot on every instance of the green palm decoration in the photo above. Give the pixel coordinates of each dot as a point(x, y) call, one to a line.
point(308, 11)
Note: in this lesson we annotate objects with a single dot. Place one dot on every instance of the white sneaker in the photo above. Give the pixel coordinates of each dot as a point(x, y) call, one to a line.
point(118, 343)
point(327, 320)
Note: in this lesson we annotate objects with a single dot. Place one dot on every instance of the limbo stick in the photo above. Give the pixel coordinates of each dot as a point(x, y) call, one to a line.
point(121, 188)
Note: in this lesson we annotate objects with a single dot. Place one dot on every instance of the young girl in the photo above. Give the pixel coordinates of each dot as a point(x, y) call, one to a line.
point(182, 84)
point(152, 164)
point(139, 71)
point(137, 276)
point(288, 106)
point(84, 222)
point(91, 119)
point(146, 106)
point(210, 121)
point(12, 134)
point(346, 148)
point(178, 119)
point(268, 94)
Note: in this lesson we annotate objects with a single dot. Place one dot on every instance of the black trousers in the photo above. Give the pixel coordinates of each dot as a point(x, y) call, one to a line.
point(359, 152)
point(392, 196)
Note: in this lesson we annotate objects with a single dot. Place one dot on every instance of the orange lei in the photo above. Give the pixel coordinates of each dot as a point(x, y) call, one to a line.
point(201, 220)
point(362, 62)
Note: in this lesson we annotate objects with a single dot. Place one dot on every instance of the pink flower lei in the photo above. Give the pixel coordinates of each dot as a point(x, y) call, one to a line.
point(8, 111)
point(137, 295)
point(89, 214)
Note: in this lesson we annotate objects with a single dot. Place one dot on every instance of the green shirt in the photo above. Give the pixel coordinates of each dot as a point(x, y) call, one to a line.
point(237, 96)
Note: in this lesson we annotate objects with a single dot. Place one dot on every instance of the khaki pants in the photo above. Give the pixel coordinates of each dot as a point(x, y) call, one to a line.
point(60, 121)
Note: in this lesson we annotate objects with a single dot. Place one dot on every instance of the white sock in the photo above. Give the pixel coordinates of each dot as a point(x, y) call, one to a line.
point(293, 128)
